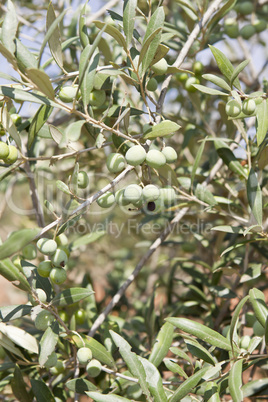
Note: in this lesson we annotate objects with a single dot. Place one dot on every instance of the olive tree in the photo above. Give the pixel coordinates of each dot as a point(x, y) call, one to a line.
point(133, 179)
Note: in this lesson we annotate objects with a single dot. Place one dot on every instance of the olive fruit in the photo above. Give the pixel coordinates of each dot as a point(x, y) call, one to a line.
point(232, 108)
point(247, 31)
point(16, 118)
point(152, 84)
point(12, 156)
point(44, 268)
point(133, 193)
point(182, 77)
point(59, 258)
point(160, 67)
point(231, 28)
point(115, 162)
point(150, 192)
point(43, 320)
point(93, 368)
point(84, 355)
point(245, 341)
point(62, 240)
point(170, 154)
point(155, 158)
point(41, 295)
point(47, 246)
point(51, 360)
point(68, 93)
point(58, 275)
point(64, 316)
point(198, 67)
point(97, 97)
point(260, 25)
point(29, 252)
point(119, 197)
point(248, 106)
point(106, 200)
point(4, 150)
point(189, 84)
point(82, 179)
point(80, 316)
point(246, 7)
point(167, 195)
point(57, 369)
point(135, 155)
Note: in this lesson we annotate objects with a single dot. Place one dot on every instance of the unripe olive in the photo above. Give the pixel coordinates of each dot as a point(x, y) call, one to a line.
point(150, 193)
point(44, 268)
point(119, 197)
point(58, 275)
point(57, 369)
point(64, 316)
point(59, 258)
point(260, 25)
point(167, 195)
point(82, 179)
point(170, 154)
point(115, 162)
point(152, 84)
point(232, 108)
point(93, 368)
point(231, 27)
point(46, 246)
point(246, 7)
point(155, 158)
point(190, 82)
point(106, 200)
point(248, 106)
point(258, 329)
point(133, 193)
point(52, 360)
point(198, 67)
point(182, 77)
point(62, 240)
point(68, 93)
point(29, 252)
point(16, 118)
point(84, 355)
point(80, 316)
point(135, 155)
point(12, 156)
point(43, 320)
point(4, 150)
point(160, 67)
point(41, 294)
point(97, 97)
point(247, 31)
point(245, 341)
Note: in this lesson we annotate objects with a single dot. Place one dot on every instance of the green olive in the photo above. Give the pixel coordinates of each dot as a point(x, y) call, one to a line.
point(233, 108)
point(160, 67)
point(12, 156)
point(152, 84)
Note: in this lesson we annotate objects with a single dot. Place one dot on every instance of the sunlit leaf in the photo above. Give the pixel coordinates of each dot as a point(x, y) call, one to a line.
point(254, 194)
point(162, 344)
point(129, 13)
point(235, 381)
point(162, 129)
point(224, 65)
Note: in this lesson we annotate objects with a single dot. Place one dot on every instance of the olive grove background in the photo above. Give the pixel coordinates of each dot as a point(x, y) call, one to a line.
point(107, 295)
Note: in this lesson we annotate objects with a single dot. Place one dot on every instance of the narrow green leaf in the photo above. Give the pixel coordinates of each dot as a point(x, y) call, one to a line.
point(71, 296)
point(235, 319)
point(223, 10)
point(96, 396)
point(203, 194)
point(114, 32)
point(238, 70)
point(161, 52)
point(257, 299)
point(39, 119)
point(186, 387)
point(80, 385)
point(255, 387)
point(48, 343)
point(83, 34)
point(9, 271)
point(217, 81)
point(41, 391)
point(188, 9)
point(19, 387)
point(153, 380)
point(9, 313)
point(224, 65)
point(63, 187)
point(162, 129)
point(6, 343)
point(21, 95)
point(99, 352)
point(16, 241)
point(178, 352)
point(199, 351)
point(254, 195)
point(88, 81)
point(25, 58)
point(197, 161)
point(87, 239)
point(149, 48)
point(235, 381)
point(131, 360)
point(9, 27)
point(42, 81)
point(162, 344)
point(200, 331)
point(228, 229)
point(10, 127)
point(175, 368)
point(129, 14)
point(54, 40)
point(228, 157)
point(235, 246)
point(209, 91)
point(212, 393)
point(19, 337)
point(262, 120)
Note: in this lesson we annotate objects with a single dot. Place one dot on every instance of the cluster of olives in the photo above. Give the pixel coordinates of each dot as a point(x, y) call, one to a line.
point(187, 81)
point(136, 155)
point(231, 27)
point(8, 153)
point(68, 93)
point(58, 253)
point(93, 366)
point(234, 108)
